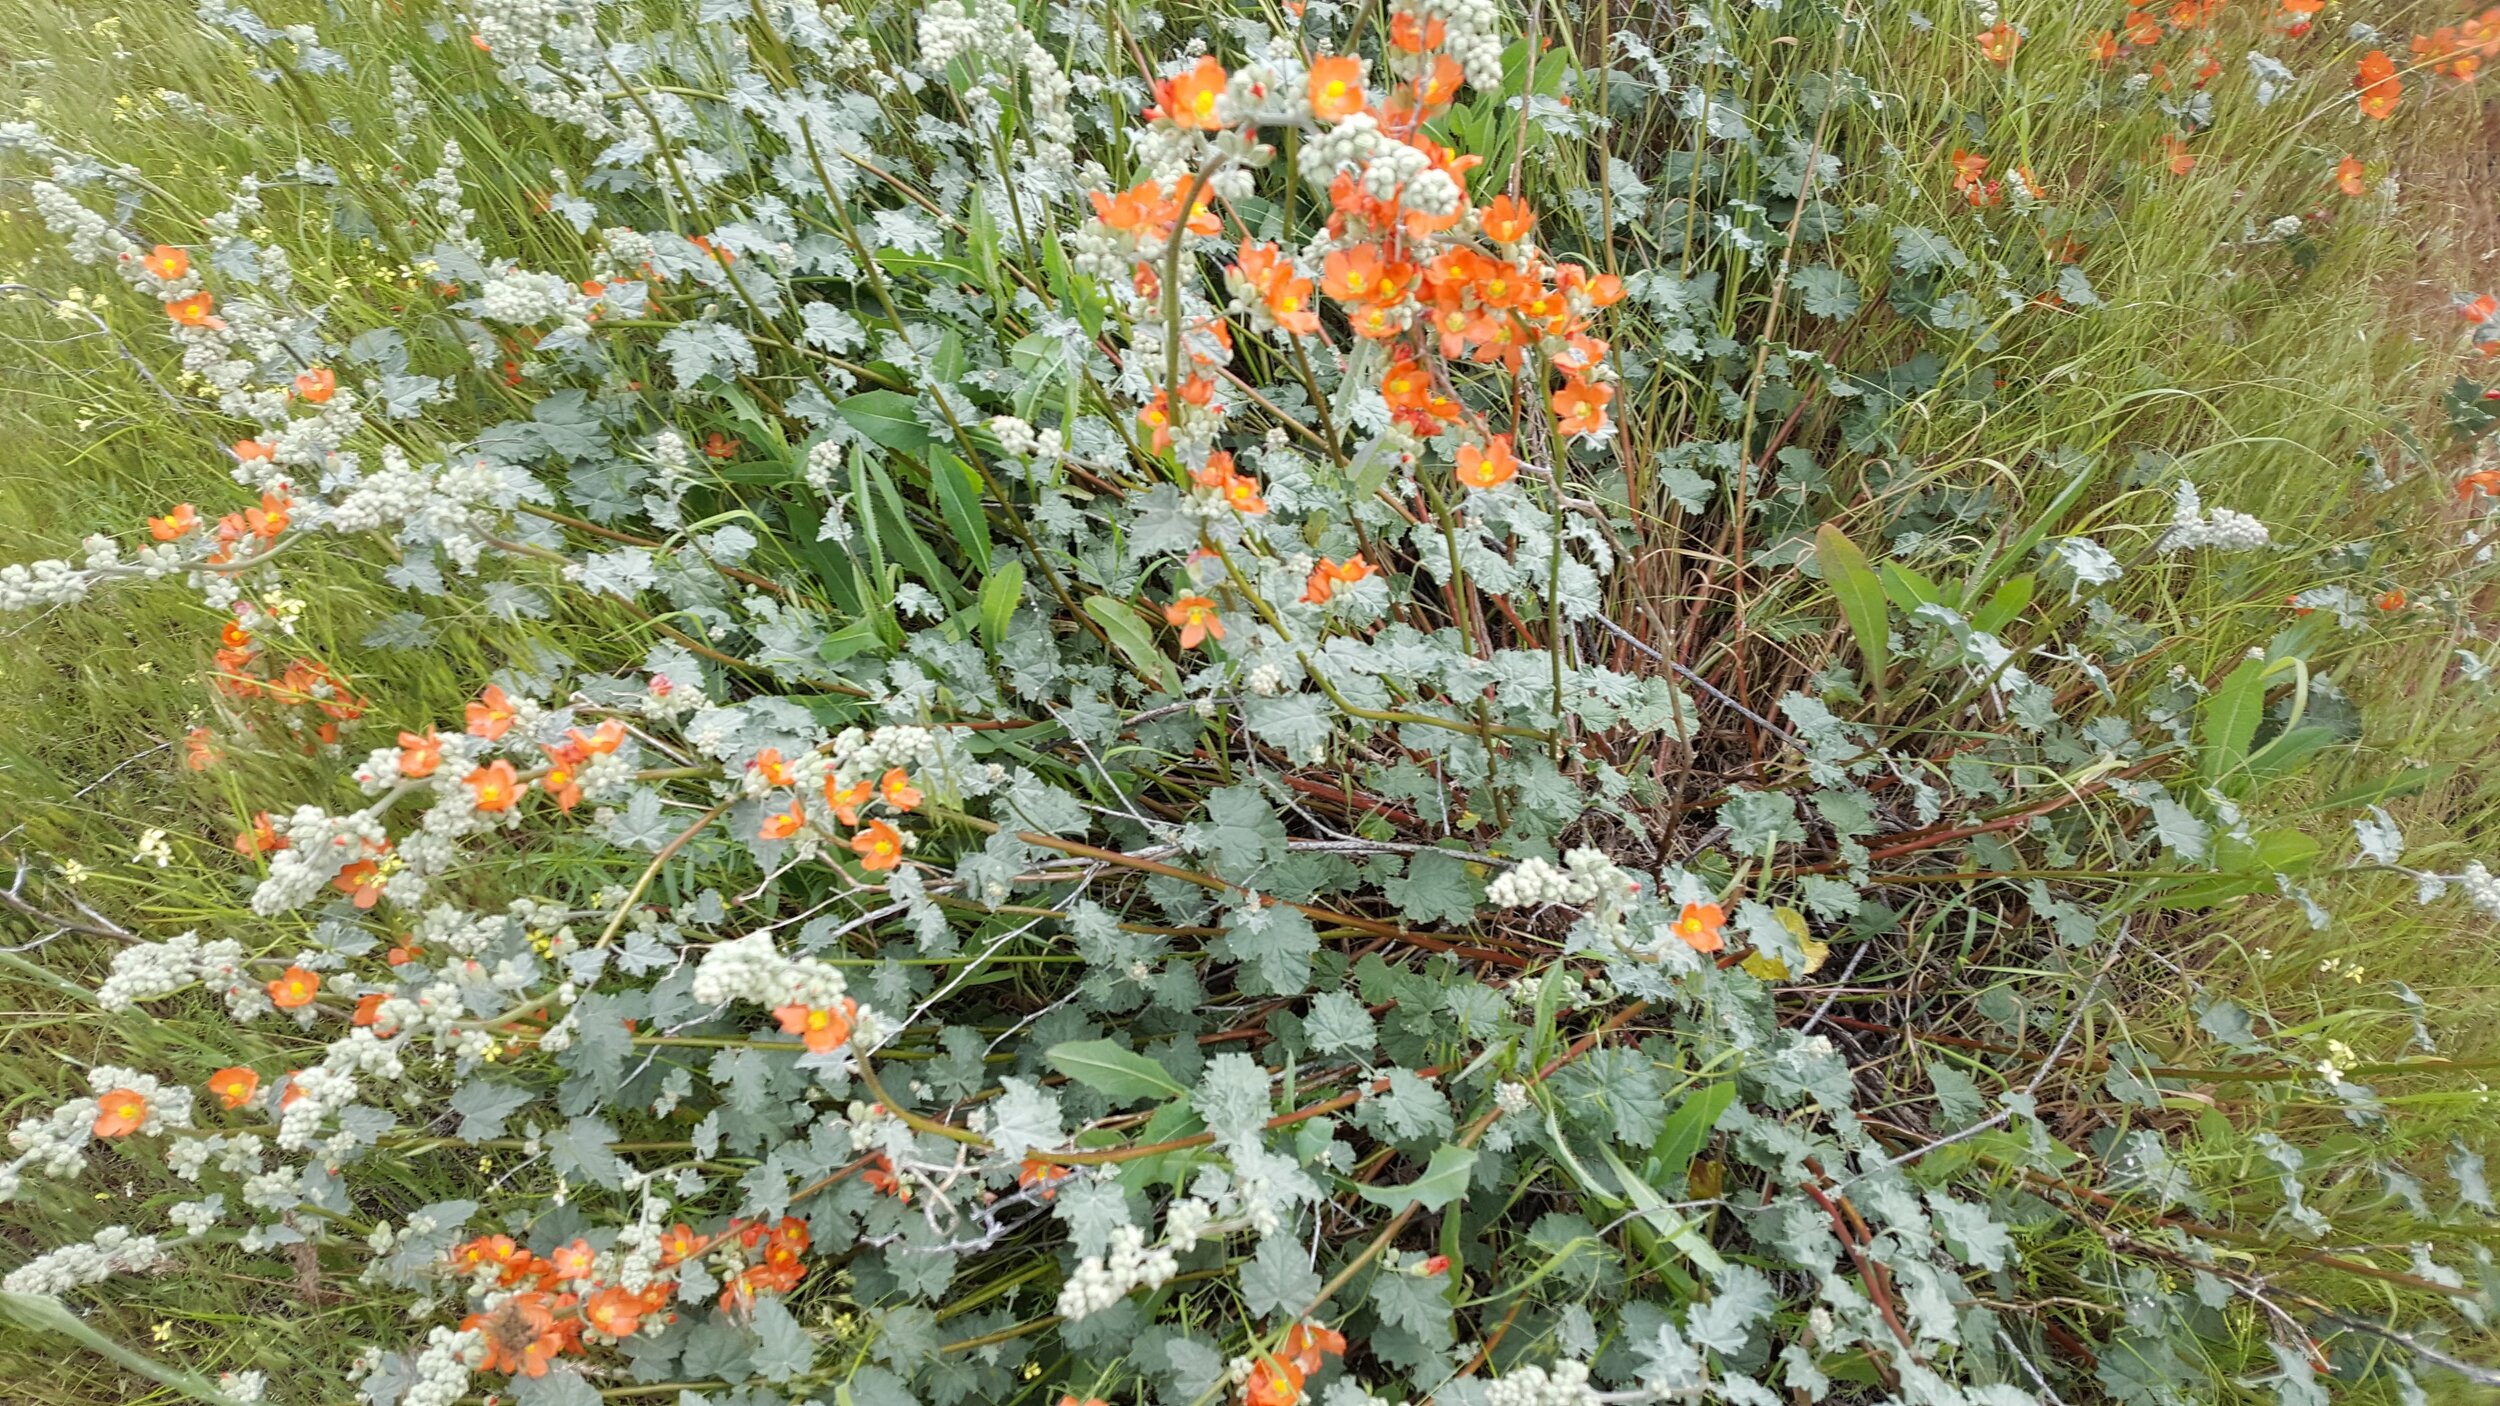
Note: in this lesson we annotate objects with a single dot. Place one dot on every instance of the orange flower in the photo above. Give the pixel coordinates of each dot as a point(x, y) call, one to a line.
point(250, 451)
point(419, 754)
point(293, 987)
point(496, 785)
point(234, 1086)
point(821, 1028)
point(1582, 408)
point(2104, 46)
point(1506, 220)
point(719, 446)
point(2351, 177)
point(1488, 467)
point(1189, 100)
point(1196, 617)
point(175, 525)
point(2392, 601)
point(845, 801)
point(1352, 275)
point(880, 1177)
point(1998, 43)
point(491, 715)
point(2180, 161)
point(782, 825)
point(896, 790)
point(2380, 88)
point(601, 740)
point(1328, 576)
point(1305, 1342)
point(167, 263)
point(1336, 88)
point(879, 847)
point(361, 881)
point(317, 385)
point(1437, 85)
point(1273, 1382)
point(1413, 35)
point(1699, 926)
point(2483, 481)
point(368, 1008)
point(1037, 1171)
point(769, 766)
point(679, 1245)
point(120, 1113)
point(1289, 302)
point(193, 311)
point(614, 1312)
point(262, 838)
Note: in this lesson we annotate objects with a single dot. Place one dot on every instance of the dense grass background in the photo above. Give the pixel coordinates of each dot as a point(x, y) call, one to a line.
point(2269, 368)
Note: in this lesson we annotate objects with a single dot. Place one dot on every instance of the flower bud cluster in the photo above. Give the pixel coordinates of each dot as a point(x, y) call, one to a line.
point(1128, 1264)
point(115, 1250)
point(751, 969)
point(153, 970)
point(2223, 529)
point(1566, 1383)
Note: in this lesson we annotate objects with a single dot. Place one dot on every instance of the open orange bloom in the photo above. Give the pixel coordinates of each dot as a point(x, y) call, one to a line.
point(2392, 601)
point(845, 801)
point(1413, 35)
point(491, 715)
point(361, 881)
point(1289, 302)
point(1998, 43)
point(2483, 481)
point(896, 790)
point(821, 1028)
point(1488, 467)
point(1189, 100)
point(1305, 1342)
point(1336, 88)
point(1328, 576)
point(1353, 275)
point(292, 988)
point(2380, 89)
point(1437, 85)
point(1196, 617)
point(879, 847)
point(562, 783)
point(880, 1177)
point(317, 385)
point(782, 825)
point(1582, 408)
point(193, 311)
point(600, 741)
point(614, 1312)
point(1699, 926)
point(174, 525)
point(1507, 220)
point(1273, 1382)
point(496, 786)
point(120, 1113)
point(2351, 177)
point(262, 838)
point(166, 262)
point(235, 1086)
point(419, 754)
point(1038, 1172)
point(769, 766)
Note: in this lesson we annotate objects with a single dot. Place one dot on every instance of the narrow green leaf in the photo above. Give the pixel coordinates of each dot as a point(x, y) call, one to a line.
point(1129, 635)
point(2005, 606)
point(42, 1313)
point(1687, 1129)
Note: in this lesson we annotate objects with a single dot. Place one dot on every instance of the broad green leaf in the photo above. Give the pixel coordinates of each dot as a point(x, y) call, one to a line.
point(2229, 718)
point(2286, 752)
point(1130, 636)
point(960, 496)
point(1908, 589)
point(1861, 595)
point(1108, 1069)
point(886, 418)
point(1444, 1180)
point(1687, 1129)
point(2005, 606)
point(999, 596)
